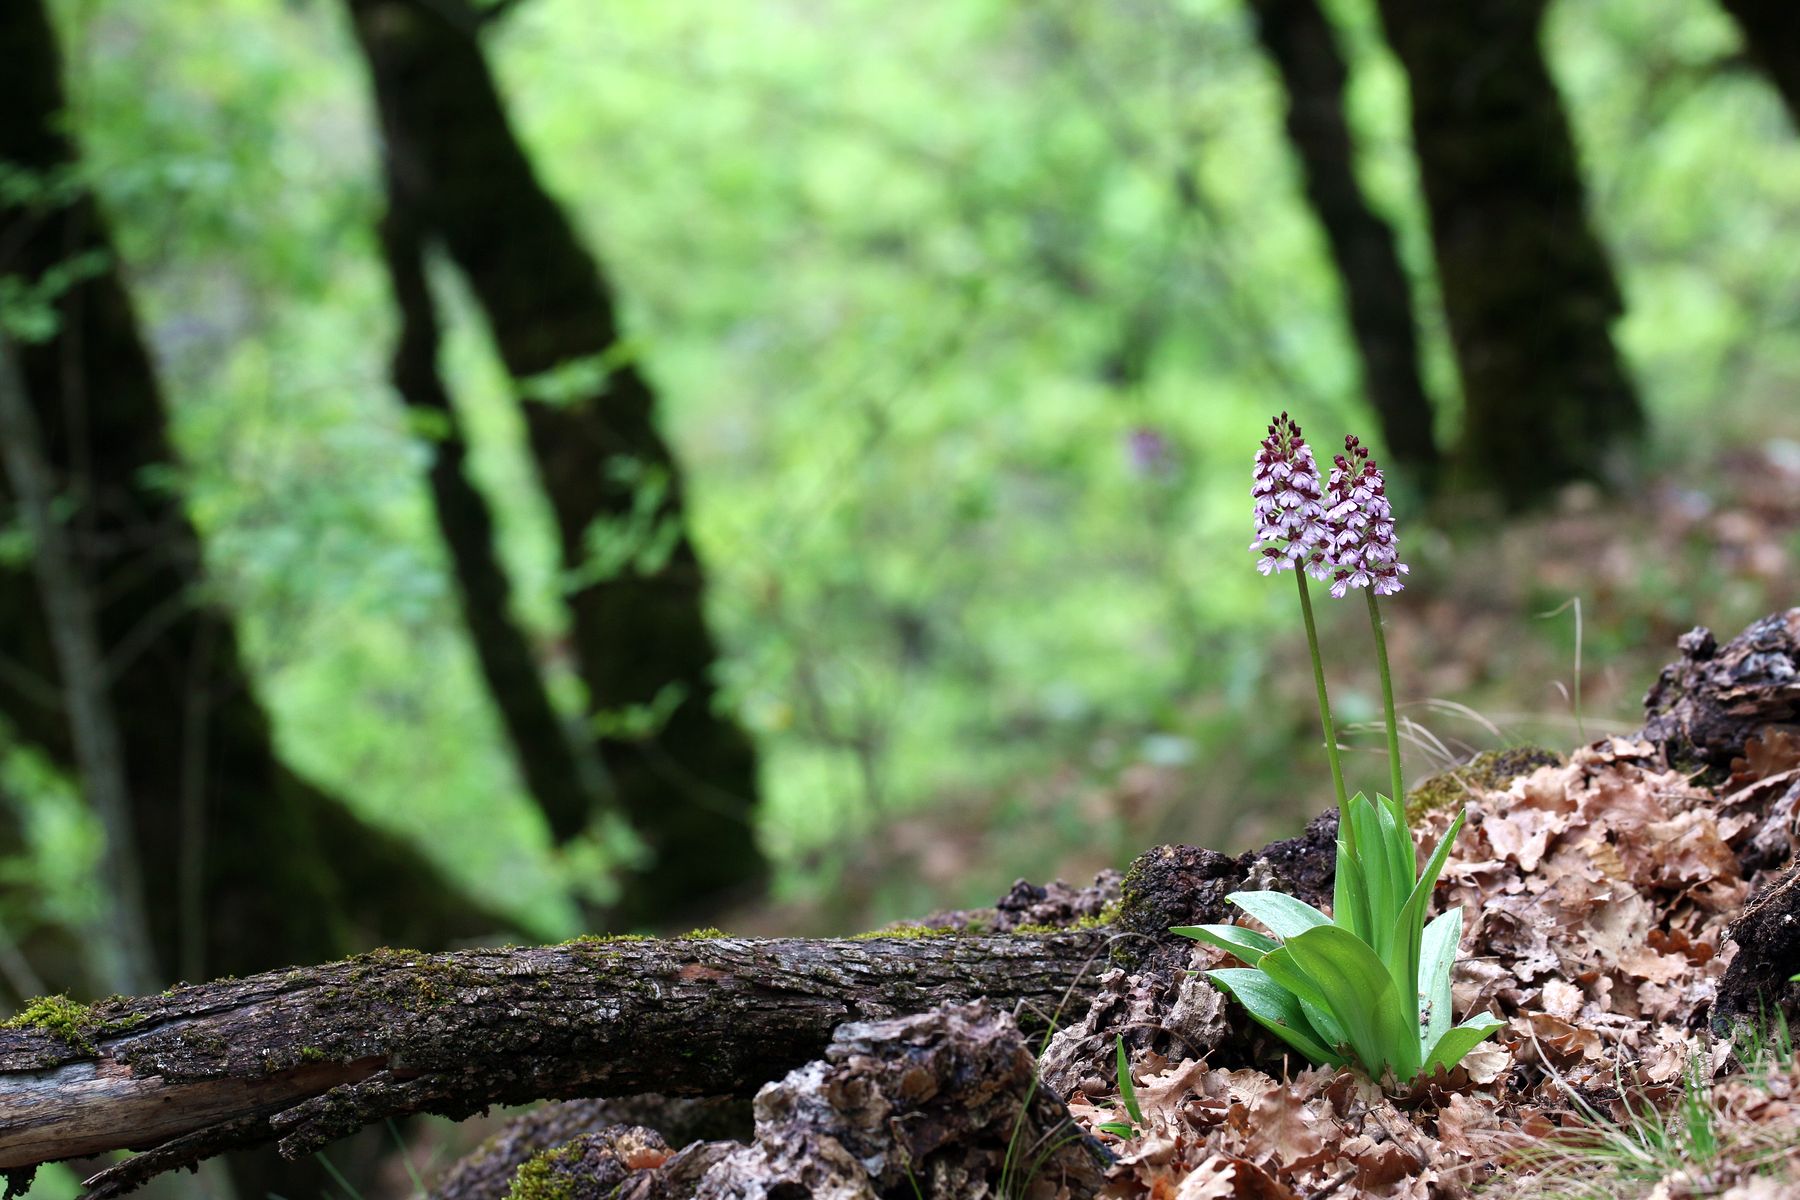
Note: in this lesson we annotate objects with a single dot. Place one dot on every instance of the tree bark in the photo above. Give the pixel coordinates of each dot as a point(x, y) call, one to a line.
point(288, 873)
point(305, 1056)
point(566, 789)
point(1527, 286)
point(1298, 37)
point(642, 641)
point(1771, 30)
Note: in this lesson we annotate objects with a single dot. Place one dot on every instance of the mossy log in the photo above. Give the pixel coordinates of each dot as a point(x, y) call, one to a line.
point(305, 1056)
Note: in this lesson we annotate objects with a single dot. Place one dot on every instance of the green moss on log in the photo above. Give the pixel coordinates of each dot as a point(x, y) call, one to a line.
point(64, 1018)
point(1489, 771)
point(544, 1176)
point(903, 931)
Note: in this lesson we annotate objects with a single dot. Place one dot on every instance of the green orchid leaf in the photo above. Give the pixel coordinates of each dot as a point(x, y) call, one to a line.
point(1246, 944)
point(1275, 1009)
point(1437, 960)
point(1377, 873)
point(1361, 994)
point(1284, 915)
point(1400, 844)
point(1404, 963)
point(1455, 1043)
point(1279, 965)
point(1397, 845)
point(1350, 896)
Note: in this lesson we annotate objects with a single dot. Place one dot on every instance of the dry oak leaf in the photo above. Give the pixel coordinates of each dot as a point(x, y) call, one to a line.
point(1286, 1128)
point(1225, 1175)
point(1771, 752)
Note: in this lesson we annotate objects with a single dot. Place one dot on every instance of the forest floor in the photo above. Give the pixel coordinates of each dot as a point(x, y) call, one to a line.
point(1598, 893)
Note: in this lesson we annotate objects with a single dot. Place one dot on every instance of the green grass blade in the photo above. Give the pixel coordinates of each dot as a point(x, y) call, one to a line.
point(1361, 994)
point(1437, 959)
point(1450, 1048)
point(1284, 915)
point(1275, 1009)
point(1128, 1089)
point(1246, 944)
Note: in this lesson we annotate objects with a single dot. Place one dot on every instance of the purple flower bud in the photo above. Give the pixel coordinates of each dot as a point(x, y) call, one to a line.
point(1361, 525)
point(1290, 514)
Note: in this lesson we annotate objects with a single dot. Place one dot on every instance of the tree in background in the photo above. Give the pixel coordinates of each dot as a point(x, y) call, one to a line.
point(1771, 30)
point(684, 774)
point(1299, 38)
point(548, 757)
point(1528, 290)
point(241, 864)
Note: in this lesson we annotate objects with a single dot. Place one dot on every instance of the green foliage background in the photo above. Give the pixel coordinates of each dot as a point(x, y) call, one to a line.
point(909, 277)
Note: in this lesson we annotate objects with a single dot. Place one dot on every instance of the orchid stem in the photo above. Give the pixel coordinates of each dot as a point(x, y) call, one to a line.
point(1387, 696)
point(1331, 744)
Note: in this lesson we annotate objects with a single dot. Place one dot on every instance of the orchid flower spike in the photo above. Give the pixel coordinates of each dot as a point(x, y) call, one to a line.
point(1360, 525)
point(1290, 511)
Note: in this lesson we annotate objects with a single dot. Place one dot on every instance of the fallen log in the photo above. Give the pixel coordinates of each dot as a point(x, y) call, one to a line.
point(305, 1056)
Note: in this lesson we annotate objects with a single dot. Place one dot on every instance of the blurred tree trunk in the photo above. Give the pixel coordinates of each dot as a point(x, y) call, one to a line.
point(1528, 290)
point(246, 865)
point(565, 787)
point(1771, 30)
point(686, 774)
point(1298, 36)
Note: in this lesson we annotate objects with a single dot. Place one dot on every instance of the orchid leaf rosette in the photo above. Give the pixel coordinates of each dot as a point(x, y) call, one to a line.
point(1368, 985)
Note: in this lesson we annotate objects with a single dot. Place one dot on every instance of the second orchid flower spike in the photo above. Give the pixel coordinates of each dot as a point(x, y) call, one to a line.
point(1363, 552)
point(1360, 543)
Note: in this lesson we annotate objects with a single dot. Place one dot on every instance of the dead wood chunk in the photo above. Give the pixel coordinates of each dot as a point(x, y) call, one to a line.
point(1151, 999)
point(1179, 1016)
point(1027, 905)
point(1759, 978)
point(1188, 885)
point(1705, 705)
point(1055, 904)
point(941, 1105)
point(487, 1173)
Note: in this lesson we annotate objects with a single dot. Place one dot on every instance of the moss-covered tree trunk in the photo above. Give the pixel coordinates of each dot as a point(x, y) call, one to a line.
point(565, 787)
point(1298, 37)
point(1527, 286)
point(1771, 31)
point(246, 865)
point(686, 777)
